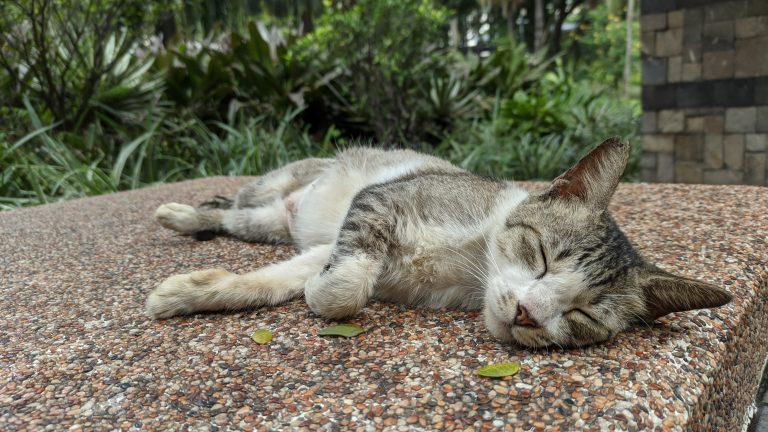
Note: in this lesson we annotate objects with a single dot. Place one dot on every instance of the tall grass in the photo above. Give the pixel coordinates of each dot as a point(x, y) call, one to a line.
point(48, 166)
point(508, 146)
point(44, 166)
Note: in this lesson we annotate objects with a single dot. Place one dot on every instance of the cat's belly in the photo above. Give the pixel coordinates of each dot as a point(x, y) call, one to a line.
point(292, 203)
point(317, 211)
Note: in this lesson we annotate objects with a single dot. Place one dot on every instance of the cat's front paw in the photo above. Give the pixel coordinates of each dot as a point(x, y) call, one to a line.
point(178, 217)
point(185, 293)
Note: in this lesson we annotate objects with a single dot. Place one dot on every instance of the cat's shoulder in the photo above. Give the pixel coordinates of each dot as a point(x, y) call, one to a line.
point(405, 160)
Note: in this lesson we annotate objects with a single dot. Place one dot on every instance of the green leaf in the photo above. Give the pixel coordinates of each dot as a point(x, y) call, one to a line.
point(126, 151)
point(343, 330)
point(262, 336)
point(499, 370)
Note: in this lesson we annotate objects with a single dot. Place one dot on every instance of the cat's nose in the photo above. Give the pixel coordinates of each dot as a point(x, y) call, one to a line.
point(523, 319)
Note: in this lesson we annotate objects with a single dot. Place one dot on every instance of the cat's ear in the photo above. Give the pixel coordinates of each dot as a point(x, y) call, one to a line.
point(594, 178)
point(666, 293)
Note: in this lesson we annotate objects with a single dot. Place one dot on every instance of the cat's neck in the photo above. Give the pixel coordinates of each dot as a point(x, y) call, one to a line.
point(509, 198)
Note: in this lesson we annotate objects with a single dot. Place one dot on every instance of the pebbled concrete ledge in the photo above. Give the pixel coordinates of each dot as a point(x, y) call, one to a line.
point(77, 353)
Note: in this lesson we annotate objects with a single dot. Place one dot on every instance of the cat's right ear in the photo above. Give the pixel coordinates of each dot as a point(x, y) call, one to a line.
point(594, 178)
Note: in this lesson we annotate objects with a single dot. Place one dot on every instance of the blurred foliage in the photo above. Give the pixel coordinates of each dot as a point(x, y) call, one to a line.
point(43, 167)
point(539, 132)
point(246, 74)
point(101, 95)
point(598, 47)
point(386, 52)
point(200, 18)
point(74, 58)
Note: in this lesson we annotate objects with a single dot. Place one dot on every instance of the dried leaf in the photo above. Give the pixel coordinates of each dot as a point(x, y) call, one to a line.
point(262, 336)
point(499, 370)
point(343, 330)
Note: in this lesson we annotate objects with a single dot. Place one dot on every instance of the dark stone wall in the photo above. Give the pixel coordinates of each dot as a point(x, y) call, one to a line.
point(705, 91)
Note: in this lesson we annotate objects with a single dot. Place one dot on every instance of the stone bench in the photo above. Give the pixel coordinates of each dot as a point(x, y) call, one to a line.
point(76, 349)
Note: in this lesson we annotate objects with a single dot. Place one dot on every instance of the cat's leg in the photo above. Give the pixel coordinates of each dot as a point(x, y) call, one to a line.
point(218, 289)
point(344, 286)
point(268, 223)
point(279, 183)
point(349, 278)
point(257, 213)
point(186, 219)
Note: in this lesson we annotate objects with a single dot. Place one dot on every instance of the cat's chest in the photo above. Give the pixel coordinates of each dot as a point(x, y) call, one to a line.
point(435, 272)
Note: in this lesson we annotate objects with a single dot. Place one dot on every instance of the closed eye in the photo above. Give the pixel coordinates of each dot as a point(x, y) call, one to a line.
point(584, 313)
point(544, 258)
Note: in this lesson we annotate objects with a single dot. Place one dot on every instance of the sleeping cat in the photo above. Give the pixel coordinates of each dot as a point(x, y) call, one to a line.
point(400, 226)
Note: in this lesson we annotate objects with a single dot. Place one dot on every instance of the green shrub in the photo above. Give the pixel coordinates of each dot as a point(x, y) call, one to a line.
point(74, 59)
point(42, 167)
point(89, 110)
point(510, 68)
point(600, 46)
point(539, 132)
point(557, 104)
point(394, 78)
point(238, 75)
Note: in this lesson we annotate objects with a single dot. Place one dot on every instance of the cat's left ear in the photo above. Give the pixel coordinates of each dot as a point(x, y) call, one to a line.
point(594, 178)
point(666, 293)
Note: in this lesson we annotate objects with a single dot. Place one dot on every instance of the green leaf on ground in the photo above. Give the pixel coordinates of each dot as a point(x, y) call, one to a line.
point(262, 336)
point(499, 370)
point(343, 330)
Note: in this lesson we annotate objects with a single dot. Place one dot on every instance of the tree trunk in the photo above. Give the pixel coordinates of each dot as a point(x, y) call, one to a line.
point(557, 32)
point(454, 33)
point(511, 24)
point(563, 11)
point(539, 35)
point(166, 26)
point(628, 54)
point(307, 18)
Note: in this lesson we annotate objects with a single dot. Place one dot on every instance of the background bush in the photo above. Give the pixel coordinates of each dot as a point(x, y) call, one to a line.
point(101, 96)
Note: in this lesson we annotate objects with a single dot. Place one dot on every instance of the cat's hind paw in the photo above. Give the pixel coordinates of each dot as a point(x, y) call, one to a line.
point(178, 217)
point(186, 293)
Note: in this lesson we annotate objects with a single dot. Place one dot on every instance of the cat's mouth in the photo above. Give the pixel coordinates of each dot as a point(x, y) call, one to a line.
point(534, 337)
point(507, 331)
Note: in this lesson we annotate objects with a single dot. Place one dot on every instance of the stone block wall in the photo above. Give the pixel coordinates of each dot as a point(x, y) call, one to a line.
point(705, 91)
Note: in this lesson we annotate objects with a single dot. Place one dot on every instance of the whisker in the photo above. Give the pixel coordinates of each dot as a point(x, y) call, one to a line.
point(490, 255)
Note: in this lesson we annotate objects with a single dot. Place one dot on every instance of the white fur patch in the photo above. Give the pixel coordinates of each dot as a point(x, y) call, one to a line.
point(178, 217)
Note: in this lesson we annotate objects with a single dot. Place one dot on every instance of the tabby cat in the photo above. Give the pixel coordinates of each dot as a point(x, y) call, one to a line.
point(399, 226)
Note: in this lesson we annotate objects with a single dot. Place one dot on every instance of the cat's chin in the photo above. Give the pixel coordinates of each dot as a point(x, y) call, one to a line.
point(517, 335)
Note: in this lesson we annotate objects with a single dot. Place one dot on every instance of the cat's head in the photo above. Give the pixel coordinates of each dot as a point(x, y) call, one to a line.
point(562, 273)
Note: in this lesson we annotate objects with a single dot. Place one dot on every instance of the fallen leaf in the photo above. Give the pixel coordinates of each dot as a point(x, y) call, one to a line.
point(343, 330)
point(262, 336)
point(499, 370)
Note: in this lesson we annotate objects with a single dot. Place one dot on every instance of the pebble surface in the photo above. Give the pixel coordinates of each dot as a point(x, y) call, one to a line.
point(77, 353)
